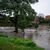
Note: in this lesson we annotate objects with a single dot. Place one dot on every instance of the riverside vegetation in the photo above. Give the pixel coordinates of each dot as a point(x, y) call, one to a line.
point(17, 44)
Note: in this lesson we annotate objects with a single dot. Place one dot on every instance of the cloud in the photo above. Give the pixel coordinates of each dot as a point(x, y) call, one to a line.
point(43, 6)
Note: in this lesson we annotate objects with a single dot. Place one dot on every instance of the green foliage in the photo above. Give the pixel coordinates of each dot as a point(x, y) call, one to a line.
point(36, 25)
point(17, 44)
point(20, 8)
point(11, 4)
point(44, 21)
point(24, 22)
point(41, 20)
point(5, 21)
point(47, 22)
point(3, 36)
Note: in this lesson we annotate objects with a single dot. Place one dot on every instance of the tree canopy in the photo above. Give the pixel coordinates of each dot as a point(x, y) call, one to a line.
point(17, 5)
point(20, 8)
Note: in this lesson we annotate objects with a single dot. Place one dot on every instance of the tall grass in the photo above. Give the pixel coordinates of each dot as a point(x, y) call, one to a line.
point(17, 44)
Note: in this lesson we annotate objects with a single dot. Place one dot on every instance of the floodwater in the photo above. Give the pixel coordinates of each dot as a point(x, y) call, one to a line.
point(40, 37)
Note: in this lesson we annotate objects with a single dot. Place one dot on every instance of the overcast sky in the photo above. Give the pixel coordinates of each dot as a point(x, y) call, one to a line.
point(43, 6)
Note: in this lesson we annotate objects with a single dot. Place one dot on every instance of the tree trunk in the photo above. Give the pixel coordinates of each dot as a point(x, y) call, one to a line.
point(23, 33)
point(16, 24)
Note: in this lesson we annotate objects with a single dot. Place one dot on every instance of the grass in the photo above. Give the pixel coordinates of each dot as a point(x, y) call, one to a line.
point(17, 44)
point(2, 34)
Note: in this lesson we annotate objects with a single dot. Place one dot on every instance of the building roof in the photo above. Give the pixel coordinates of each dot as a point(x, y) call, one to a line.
point(47, 17)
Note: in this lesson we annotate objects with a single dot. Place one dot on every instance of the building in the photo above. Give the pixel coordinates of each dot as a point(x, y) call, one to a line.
point(47, 17)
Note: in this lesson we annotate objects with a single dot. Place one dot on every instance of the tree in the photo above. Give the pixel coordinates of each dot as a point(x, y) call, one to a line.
point(24, 22)
point(19, 7)
point(41, 20)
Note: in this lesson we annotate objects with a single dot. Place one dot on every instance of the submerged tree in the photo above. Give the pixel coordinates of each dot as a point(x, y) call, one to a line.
point(19, 7)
